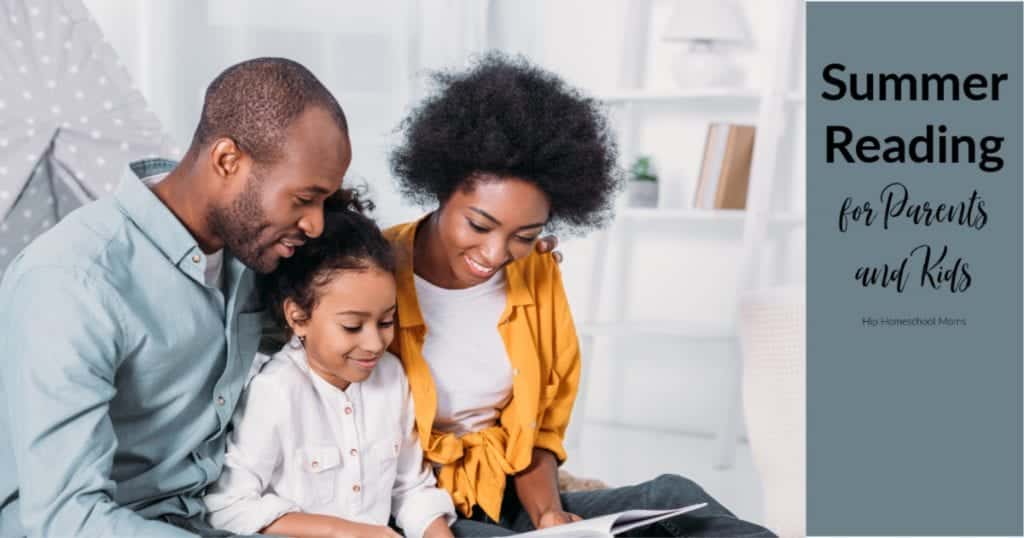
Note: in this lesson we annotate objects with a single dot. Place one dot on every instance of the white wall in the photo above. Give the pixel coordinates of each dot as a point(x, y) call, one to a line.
point(371, 55)
point(674, 275)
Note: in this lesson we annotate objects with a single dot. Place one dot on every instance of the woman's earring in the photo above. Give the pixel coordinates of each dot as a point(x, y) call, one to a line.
point(302, 340)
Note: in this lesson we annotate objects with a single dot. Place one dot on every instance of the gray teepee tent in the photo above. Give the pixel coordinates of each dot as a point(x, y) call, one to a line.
point(69, 117)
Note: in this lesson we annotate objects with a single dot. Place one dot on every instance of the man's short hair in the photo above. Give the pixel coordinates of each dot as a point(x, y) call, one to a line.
point(255, 101)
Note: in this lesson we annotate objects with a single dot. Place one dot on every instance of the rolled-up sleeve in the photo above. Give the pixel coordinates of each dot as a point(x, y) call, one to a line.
point(415, 500)
point(566, 364)
point(62, 333)
point(240, 500)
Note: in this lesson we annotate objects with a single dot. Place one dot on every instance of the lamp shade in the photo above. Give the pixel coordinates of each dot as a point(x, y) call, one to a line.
point(707, 20)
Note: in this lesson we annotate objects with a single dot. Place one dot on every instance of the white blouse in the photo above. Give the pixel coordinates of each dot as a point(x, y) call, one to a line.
point(301, 444)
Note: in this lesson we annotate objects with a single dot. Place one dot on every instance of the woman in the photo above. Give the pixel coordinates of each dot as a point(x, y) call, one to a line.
point(504, 151)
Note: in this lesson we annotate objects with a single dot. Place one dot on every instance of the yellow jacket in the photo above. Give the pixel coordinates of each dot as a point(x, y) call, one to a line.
point(541, 342)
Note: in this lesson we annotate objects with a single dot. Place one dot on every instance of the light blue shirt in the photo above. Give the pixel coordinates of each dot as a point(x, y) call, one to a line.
point(121, 369)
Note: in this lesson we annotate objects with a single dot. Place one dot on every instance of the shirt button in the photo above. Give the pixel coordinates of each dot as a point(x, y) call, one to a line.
point(315, 464)
point(196, 258)
point(356, 488)
point(353, 452)
point(220, 400)
point(348, 410)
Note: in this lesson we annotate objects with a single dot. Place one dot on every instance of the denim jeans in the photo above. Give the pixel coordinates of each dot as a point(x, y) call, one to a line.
point(666, 491)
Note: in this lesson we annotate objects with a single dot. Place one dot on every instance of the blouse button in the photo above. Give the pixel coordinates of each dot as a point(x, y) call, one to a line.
point(220, 400)
point(348, 410)
point(196, 258)
point(353, 452)
point(356, 488)
point(316, 464)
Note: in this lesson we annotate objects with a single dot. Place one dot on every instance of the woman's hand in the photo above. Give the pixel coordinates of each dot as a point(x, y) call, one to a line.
point(537, 488)
point(554, 518)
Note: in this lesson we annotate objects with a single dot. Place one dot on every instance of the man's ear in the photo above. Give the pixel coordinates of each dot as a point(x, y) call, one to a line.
point(226, 158)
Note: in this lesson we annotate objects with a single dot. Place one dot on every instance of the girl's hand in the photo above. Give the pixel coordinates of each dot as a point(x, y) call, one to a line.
point(438, 529)
point(554, 518)
point(351, 529)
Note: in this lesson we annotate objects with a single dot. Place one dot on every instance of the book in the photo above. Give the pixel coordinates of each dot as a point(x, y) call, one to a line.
point(611, 524)
point(711, 166)
point(725, 169)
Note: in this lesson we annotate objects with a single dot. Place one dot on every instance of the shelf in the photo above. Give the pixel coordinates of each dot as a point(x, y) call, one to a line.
point(704, 215)
point(643, 213)
point(695, 330)
point(642, 96)
point(669, 95)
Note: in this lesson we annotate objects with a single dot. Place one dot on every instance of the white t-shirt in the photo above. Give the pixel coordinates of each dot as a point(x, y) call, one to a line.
point(214, 264)
point(467, 358)
point(302, 444)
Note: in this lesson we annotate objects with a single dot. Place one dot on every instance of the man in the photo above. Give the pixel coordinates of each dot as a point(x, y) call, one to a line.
point(128, 330)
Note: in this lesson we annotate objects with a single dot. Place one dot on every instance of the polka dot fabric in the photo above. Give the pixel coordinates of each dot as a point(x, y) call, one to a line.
point(70, 118)
point(35, 212)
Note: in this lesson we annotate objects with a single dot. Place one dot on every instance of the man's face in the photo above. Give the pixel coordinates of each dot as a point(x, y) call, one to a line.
point(280, 205)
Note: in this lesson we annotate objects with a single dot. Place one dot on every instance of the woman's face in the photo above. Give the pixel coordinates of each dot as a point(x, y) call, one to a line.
point(493, 223)
point(350, 327)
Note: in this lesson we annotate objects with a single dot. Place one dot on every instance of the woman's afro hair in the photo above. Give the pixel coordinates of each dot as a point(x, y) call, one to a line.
point(508, 118)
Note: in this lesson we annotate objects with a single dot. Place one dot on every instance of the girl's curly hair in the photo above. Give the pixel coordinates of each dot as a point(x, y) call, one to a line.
point(350, 241)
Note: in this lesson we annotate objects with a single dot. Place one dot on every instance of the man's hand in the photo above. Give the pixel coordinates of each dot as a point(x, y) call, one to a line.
point(549, 243)
point(554, 518)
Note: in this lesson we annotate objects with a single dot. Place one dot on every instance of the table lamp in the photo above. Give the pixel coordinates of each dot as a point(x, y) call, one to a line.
point(708, 30)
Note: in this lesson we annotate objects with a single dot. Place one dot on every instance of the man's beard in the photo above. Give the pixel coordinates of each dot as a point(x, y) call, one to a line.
point(240, 224)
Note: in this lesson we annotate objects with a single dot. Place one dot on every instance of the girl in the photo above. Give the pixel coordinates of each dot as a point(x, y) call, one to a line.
point(323, 442)
point(504, 151)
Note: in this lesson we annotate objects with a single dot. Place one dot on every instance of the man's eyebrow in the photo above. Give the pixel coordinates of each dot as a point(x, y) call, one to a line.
point(498, 222)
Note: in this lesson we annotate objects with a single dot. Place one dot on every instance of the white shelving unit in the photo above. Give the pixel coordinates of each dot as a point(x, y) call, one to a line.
point(771, 105)
point(682, 96)
point(723, 216)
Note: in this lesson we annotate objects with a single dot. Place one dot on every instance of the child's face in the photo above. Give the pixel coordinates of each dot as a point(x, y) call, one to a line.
point(350, 327)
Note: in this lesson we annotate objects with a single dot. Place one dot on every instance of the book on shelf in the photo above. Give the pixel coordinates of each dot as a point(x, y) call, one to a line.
point(611, 524)
point(725, 168)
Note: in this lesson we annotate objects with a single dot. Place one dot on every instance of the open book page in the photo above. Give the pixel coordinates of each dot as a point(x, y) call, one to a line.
point(611, 524)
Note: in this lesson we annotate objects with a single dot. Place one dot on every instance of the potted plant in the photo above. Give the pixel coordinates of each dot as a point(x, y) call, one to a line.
point(643, 184)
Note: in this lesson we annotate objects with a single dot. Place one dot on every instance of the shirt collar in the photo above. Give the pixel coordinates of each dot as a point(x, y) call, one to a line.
point(295, 351)
point(409, 314)
point(153, 218)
